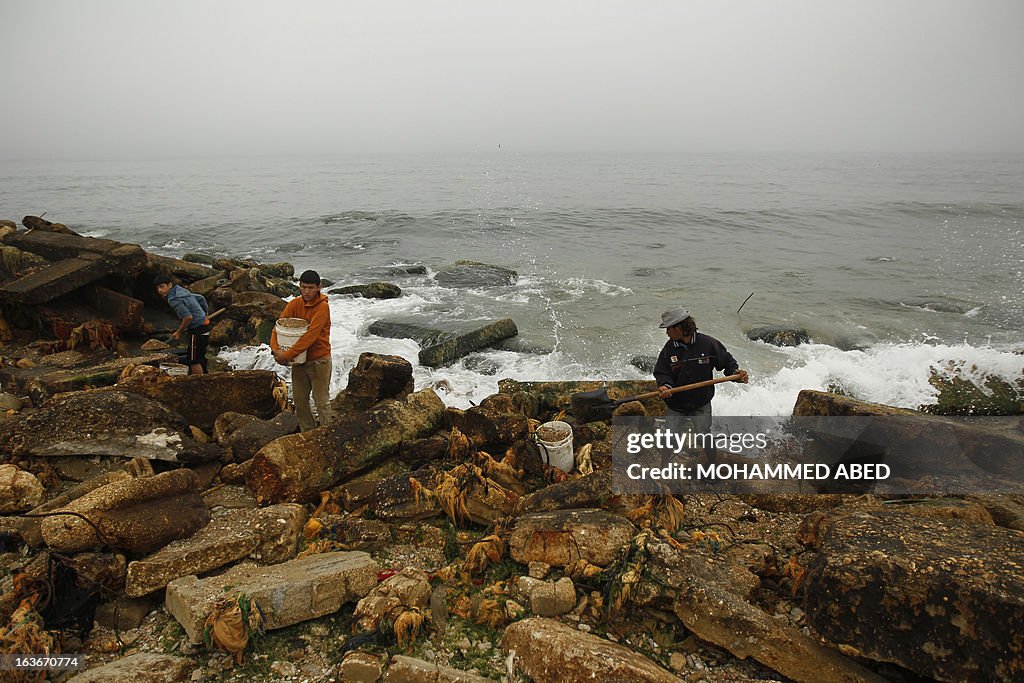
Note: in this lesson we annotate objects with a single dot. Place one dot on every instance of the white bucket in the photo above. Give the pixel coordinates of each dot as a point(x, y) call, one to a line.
point(289, 331)
point(554, 441)
point(174, 369)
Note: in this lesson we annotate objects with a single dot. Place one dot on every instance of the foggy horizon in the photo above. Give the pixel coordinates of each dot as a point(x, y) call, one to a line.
point(144, 81)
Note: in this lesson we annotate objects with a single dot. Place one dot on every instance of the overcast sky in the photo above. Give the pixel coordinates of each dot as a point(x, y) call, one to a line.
point(142, 78)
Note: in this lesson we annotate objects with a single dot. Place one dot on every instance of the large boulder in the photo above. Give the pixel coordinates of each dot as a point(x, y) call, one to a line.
point(990, 396)
point(447, 352)
point(286, 593)
point(108, 422)
point(561, 537)
point(141, 667)
point(296, 468)
point(269, 535)
point(243, 306)
point(135, 515)
point(374, 378)
point(922, 450)
point(201, 399)
point(941, 597)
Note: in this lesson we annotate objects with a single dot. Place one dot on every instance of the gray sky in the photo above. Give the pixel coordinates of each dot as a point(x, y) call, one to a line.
point(143, 78)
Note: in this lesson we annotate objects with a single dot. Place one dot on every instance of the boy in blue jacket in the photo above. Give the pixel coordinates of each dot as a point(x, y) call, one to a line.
point(194, 326)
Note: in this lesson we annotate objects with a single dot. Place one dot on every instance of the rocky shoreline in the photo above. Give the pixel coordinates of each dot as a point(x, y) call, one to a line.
point(179, 528)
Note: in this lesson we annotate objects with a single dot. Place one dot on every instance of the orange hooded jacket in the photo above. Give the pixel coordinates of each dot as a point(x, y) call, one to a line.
point(317, 339)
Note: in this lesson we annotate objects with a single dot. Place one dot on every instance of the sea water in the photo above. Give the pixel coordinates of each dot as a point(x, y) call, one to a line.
point(897, 266)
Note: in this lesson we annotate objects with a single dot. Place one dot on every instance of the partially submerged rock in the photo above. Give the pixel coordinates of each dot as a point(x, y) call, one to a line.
point(373, 290)
point(447, 352)
point(779, 335)
point(475, 274)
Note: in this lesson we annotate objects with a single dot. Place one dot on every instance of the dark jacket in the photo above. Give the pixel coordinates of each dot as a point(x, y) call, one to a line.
point(680, 364)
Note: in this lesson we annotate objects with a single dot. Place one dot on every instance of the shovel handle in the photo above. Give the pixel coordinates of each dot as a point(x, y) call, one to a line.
point(676, 390)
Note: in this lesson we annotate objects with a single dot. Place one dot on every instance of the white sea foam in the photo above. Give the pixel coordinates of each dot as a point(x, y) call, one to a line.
point(892, 374)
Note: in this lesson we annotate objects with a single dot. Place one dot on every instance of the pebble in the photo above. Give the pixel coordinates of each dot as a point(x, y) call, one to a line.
point(284, 669)
point(197, 676)
point(677, 661)
point(584, 627)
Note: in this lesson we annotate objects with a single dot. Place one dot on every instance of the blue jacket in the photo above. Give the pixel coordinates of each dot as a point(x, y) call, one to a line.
point(185, 304)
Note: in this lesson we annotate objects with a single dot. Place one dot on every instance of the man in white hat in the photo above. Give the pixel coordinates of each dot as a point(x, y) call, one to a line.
point(688, 357)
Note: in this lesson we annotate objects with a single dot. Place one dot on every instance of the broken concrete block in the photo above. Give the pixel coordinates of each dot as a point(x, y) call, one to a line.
point(200, 399)
point(107, 422)
point(374, 378)
point(287, 593)
point(553, 599)
point(270, 535)
point(19, 490)
point(551, 652)
point(137, 515)
point(142, 667)
point(561, 537)
point(404, 669)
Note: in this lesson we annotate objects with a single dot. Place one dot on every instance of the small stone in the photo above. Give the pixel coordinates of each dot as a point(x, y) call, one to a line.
point(284, 669)
point(10, 402)
point(584, 627)
point(539, 570)
point(197, 676)
point(677, 660)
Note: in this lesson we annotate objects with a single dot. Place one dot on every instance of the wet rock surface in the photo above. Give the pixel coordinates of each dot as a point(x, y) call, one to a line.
point(943, 598)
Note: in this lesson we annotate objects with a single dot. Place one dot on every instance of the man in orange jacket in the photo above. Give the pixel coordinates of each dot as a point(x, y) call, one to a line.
point(315, 373)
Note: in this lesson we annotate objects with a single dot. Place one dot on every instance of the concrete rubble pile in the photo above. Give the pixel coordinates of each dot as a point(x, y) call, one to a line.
point(409, 541)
